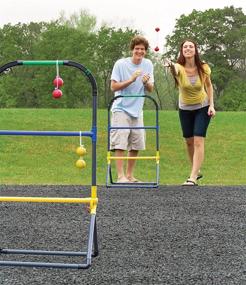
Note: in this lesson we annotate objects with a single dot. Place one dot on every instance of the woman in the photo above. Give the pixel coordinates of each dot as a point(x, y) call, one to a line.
point(196, 103)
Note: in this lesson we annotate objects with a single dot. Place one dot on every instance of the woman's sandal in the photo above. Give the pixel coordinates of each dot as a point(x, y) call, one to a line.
point(199, 176)
point(189, 182)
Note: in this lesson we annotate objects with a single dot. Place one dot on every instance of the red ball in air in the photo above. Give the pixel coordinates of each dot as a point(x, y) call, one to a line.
point(157, 49)
point(57, 93)
point(157, 29)
point(58, 82)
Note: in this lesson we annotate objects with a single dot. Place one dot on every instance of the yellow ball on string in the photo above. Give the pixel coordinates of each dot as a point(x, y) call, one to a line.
point(81, 150)
point(80, 163)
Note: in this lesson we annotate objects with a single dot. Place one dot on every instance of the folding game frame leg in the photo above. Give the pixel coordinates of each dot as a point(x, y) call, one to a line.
point(92, 251)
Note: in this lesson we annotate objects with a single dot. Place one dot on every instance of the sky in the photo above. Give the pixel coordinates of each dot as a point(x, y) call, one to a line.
point(143, 15)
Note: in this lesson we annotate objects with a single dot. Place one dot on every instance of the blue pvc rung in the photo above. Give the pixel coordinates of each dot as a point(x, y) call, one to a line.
point(132, 185)
point(133, 128)
point(42, 252)
point(44, 264)
point(46, 133)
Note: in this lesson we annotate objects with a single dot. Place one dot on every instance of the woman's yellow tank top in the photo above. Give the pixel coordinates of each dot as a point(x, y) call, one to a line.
point(192, 94)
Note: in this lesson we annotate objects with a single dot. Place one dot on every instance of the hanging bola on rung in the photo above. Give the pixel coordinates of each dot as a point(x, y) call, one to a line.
point(156, 49)
point(81, 151)
point(57, 82)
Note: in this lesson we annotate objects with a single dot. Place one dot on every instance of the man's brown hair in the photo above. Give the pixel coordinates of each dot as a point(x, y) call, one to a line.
point(139, 40)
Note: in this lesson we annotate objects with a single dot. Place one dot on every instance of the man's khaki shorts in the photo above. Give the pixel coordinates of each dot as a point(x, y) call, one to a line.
point(126, 139)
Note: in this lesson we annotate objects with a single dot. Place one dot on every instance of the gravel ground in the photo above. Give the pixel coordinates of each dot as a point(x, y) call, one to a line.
point(172, 235)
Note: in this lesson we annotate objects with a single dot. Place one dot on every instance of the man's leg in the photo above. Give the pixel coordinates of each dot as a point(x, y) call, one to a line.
point(119, 142)
point(120, 166)
point(131, 165)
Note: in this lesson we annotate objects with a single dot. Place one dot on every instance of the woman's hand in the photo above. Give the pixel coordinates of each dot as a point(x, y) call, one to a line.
point(167, 62)
point(211, 111)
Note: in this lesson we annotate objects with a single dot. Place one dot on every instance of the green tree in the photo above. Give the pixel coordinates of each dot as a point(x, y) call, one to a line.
point(221, 37)
point(234, 97)
point(164, 84)
point(63, 42)
point(111, 45)
point(82, 21)
point(97, 50)
point(18, 42)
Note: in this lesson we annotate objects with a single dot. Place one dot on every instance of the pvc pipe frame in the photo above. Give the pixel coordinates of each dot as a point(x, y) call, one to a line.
point(92, 201)
point(48, 200)
point(92, 241)
point(109, 177)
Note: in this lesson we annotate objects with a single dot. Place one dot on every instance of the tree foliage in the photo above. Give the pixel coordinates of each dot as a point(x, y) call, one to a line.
point(97, 50)
point(111, 45)
point(234, 97)
point(82, 21)
point(221, 37)
point(220, 33)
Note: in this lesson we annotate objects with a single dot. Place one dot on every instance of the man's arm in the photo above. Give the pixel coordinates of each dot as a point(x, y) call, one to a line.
point(116, 86)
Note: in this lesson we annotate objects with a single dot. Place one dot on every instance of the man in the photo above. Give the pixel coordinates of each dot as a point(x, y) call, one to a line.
point(131, 76)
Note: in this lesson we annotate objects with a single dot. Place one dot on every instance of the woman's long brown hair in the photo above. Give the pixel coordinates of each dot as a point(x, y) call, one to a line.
point(198, 62)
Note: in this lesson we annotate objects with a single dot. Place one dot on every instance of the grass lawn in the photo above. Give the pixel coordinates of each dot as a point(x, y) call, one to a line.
point(51, 160)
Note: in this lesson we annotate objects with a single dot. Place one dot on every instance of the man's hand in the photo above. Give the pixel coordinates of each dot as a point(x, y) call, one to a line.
point(135, 74)
point(145, 79)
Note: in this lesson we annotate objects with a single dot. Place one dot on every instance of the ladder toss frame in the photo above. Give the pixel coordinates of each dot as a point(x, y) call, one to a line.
point(110, 183)
point(92, 243)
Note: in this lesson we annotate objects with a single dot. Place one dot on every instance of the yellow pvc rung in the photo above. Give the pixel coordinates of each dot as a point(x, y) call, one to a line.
point(131, 158)
point(49, 200)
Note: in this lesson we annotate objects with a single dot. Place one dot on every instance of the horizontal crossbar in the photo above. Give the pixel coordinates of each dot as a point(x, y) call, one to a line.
point(44, 264)
point(133, 185)
point(43, 252)
point(43, 62)
point(46, 133)
point(49, 200)
point(133, 157)
point(134, 128)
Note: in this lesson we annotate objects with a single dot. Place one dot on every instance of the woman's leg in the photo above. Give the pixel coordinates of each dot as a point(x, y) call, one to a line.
point(190, 148)
point(198, 157)
point(200, 129)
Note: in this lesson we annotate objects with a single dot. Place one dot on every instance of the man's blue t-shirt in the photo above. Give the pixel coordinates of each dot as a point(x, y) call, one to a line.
point(123, 70)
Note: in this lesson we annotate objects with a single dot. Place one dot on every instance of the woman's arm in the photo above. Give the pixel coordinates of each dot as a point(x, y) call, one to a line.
point(210, 92)
point(173, 67)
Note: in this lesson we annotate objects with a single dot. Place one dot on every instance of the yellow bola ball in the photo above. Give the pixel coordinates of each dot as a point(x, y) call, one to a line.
point(80, 163)
point(81, 150)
